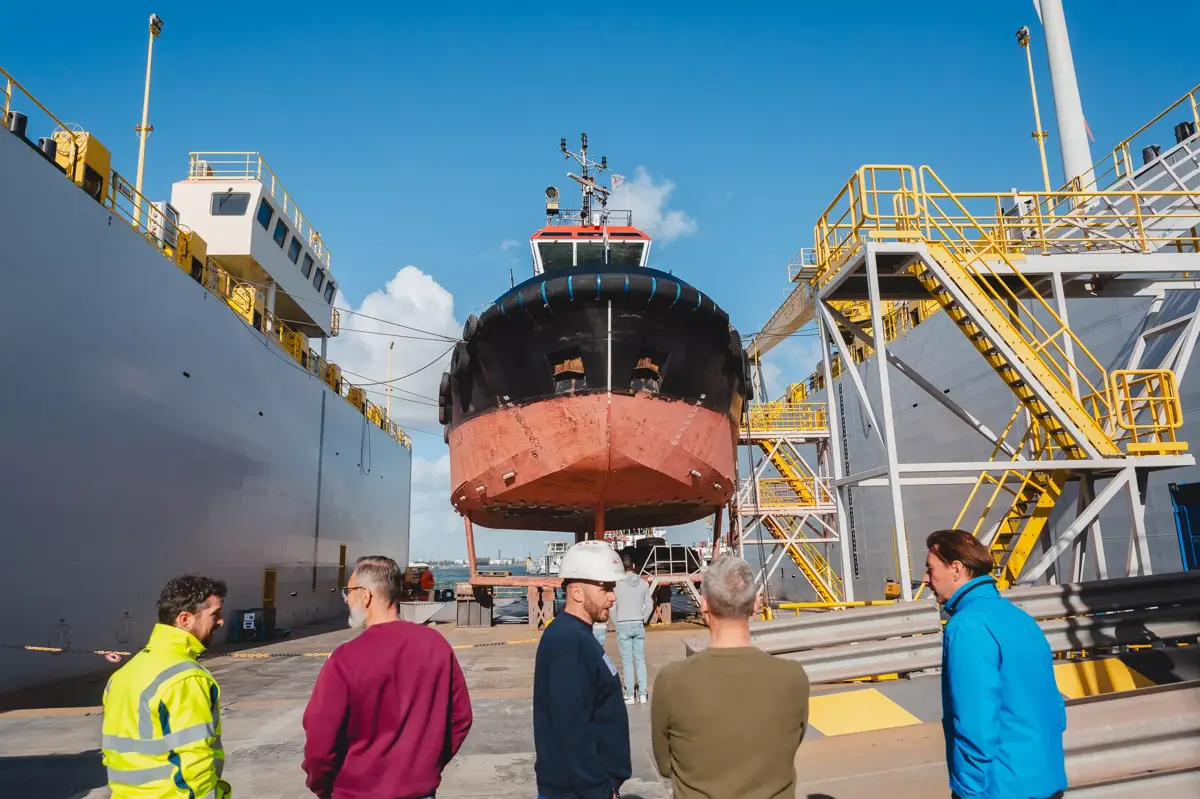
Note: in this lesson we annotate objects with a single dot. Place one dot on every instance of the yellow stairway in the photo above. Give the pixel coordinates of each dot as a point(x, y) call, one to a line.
point(791, 470)
point(1032, 353)
point(808, 559)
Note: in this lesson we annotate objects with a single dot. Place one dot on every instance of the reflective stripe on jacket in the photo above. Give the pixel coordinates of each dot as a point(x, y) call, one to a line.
point(162, 723)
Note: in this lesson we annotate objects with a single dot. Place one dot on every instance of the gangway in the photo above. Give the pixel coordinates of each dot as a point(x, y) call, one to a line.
point(1001, 266)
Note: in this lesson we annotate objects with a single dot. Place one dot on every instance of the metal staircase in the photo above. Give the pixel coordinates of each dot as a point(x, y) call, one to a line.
point(798, 504)
point(997, 308)
point(794, 472)
point(808, 559)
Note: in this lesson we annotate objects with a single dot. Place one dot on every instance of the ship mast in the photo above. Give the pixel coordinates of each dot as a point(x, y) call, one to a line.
point(587, 182)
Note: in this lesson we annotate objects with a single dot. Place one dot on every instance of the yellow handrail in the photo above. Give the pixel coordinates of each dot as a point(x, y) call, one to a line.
point(1121, 155)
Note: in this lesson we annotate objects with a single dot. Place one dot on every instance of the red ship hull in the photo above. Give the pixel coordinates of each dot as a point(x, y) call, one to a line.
point(558, 463)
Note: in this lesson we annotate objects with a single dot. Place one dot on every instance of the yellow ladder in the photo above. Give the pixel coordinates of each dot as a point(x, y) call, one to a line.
point(1031, 352)
point(808, 559)
point(791, 470)
point(1028, 514)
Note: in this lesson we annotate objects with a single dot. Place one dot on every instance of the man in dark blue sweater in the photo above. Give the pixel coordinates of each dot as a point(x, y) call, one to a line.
point(580, 726)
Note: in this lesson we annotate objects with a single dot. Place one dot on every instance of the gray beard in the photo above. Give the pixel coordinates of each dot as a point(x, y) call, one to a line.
point(356, 621)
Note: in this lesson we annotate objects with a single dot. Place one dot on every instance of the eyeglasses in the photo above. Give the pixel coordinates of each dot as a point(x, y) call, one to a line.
point(346, 591)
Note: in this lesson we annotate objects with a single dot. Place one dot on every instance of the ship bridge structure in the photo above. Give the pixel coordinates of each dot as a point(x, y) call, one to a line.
point(896, 246)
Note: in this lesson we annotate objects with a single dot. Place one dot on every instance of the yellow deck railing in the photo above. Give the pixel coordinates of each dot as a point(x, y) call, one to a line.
point(126, 203)
point(252, 166)
point(906, 203)
point(784, 417)
point(1120, 163)
point(887, 202)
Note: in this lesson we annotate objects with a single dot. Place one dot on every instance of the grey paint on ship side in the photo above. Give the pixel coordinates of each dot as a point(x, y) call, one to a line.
point(147, 432)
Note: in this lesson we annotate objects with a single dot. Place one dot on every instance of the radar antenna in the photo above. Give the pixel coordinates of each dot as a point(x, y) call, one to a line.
point(587, 182)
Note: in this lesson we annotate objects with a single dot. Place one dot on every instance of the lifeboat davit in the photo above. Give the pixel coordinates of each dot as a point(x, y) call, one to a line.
point(600, 394)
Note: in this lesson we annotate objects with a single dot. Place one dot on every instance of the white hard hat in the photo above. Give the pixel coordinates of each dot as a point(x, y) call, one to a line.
point(591, 560)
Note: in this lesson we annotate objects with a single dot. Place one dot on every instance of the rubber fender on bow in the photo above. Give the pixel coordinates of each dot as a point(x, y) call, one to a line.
point(443, 414)
point(470, 327)
point(444, 389)
point(460, 363)
point(687, 305)
point(747, 376)
point(640, 286)
point(735, 342)
point(490, 315)
point(446, 434)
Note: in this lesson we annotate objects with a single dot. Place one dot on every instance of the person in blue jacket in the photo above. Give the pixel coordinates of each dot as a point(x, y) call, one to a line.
point(1002, 713)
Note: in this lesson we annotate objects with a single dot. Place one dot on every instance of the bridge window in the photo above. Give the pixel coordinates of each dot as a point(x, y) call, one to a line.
point(556, 254)
point(294, 250)
point(329, 289)
point(319, 279)
point(280, 234)
point(307, 265)
point(264, 214)
point(230, 203)
point(626, 253)
point(589, 253)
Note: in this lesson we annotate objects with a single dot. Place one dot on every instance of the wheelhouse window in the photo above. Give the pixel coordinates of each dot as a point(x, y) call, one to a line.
point(626, 253)
point(319, 279)
point(265, 212)
point(294, 250)
point(280, 234)
point(306, 265)
point(330, 288)
point(556, 254)
point(230, 203)
point(589, 253)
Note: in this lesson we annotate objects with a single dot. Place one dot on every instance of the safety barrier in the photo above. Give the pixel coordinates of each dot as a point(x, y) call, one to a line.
point(1126, 744)
point(924, 651)
point(906, 637)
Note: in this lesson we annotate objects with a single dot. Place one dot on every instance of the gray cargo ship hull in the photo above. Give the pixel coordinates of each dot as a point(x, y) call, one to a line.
point(147, 431)
point(928, 432)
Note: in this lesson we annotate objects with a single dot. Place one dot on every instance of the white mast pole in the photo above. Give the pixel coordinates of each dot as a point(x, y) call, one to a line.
point(1068, 109)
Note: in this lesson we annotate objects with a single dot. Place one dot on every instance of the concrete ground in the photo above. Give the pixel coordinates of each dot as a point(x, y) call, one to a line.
point(49, 742)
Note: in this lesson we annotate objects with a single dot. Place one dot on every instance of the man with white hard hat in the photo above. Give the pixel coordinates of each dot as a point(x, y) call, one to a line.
point(580, 725)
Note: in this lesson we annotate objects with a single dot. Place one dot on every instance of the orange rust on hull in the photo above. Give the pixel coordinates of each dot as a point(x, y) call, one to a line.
point(550, 465)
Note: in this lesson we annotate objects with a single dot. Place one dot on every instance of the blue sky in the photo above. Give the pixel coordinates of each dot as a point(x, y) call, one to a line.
point(423, 136)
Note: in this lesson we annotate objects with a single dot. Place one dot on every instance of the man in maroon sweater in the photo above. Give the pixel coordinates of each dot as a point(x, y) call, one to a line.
point(390, 707)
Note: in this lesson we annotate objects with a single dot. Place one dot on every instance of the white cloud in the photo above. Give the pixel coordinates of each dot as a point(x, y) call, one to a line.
point(772, 378)
point(437, 531)
point(412, 298)
point(792, 361)
point(508, 244)
point(648, 201)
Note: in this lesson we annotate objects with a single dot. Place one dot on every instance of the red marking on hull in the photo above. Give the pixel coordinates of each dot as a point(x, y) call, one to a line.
point(551, 464)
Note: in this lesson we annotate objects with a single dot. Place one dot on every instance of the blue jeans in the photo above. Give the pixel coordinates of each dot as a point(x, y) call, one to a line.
point(600, 631)
point(631, 640)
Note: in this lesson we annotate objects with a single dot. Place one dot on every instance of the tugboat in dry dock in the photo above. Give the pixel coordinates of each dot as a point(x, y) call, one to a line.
point(599, 394)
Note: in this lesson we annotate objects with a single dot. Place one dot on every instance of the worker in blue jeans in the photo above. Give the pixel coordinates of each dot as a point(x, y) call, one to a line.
point(630, 613)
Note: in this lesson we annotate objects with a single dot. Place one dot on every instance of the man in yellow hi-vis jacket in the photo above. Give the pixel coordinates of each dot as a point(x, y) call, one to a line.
point(162, 709)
